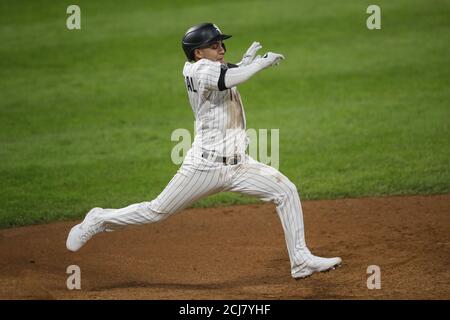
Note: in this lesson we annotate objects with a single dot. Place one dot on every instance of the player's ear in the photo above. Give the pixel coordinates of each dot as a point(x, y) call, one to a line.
point(197, 54)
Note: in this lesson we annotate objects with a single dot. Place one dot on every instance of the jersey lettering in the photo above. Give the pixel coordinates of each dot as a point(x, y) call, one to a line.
point(190, 84)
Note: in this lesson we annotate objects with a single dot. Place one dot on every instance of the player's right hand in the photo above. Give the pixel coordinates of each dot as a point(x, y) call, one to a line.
point(250, 54)
point(269, 59)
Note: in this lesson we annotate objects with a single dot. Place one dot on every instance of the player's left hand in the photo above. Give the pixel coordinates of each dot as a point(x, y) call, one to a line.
point(250, 53)
point(269, 59)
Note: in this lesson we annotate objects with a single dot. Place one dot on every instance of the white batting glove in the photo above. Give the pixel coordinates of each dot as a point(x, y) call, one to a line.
point(250, 54)
point(269, 59)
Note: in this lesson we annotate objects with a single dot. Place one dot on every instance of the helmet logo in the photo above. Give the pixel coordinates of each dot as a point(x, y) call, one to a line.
point(217, 28)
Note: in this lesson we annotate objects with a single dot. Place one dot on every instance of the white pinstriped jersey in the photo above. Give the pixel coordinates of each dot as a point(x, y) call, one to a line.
point(219, 115)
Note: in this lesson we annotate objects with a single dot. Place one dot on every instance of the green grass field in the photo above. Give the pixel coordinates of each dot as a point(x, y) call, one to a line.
point(86, 115)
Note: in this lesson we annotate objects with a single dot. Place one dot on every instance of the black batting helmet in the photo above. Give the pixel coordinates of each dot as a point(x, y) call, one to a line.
point(199, 36)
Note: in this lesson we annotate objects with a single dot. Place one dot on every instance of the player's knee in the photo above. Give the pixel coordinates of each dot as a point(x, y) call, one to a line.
point(291, 187)
point(159, 211)
point(289, 191)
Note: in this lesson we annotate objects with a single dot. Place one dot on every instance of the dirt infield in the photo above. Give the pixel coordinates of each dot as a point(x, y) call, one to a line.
point(239, 253)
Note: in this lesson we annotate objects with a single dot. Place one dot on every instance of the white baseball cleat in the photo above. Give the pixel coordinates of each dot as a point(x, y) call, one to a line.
point(81, 233)
point(317, 264)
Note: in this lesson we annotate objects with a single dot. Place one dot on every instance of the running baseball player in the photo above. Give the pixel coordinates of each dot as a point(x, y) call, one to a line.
point(217, 160)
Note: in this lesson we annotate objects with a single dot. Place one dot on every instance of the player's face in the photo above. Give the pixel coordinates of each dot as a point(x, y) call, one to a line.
point(214, 52)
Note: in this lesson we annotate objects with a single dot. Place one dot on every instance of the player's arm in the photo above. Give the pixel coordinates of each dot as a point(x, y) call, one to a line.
point(231, 77)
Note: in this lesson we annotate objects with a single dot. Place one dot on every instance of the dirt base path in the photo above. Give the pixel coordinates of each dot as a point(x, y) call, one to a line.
point(239, 253)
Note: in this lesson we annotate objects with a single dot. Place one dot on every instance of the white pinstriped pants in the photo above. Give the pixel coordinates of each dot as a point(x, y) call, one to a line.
point(198, 178)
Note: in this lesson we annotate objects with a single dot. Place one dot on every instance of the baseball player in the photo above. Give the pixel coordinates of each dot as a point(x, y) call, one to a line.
point(217, 160)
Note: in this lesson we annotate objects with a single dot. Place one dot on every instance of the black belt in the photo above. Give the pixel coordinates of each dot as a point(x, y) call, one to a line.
point(235, 159)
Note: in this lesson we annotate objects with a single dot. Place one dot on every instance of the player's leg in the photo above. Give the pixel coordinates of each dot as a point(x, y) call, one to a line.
point(260, 180)
point(256, 179)
point(185, 188)
point(192, 182)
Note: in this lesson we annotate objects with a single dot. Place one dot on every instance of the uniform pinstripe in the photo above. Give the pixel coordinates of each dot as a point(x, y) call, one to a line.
point(220, 130)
